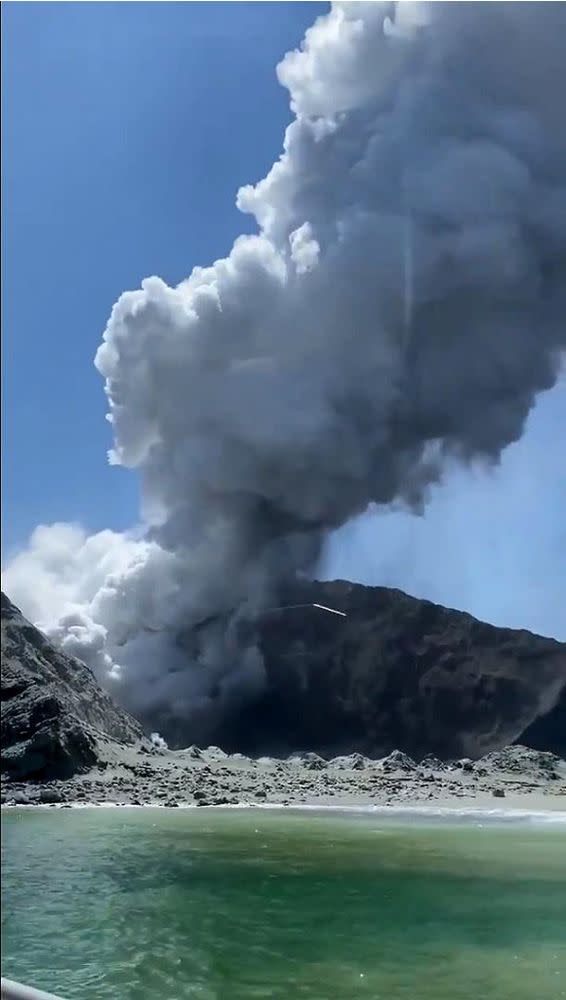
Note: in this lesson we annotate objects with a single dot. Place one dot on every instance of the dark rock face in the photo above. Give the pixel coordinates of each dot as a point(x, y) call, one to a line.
point(53, 710)
point(548, 732)
point(397, 672)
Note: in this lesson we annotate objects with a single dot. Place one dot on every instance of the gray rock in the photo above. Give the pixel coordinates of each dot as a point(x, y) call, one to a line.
point(523, 760)
point(433, 763)
point(312, 761)
point(22, 799)
point(350, 762)
point(398, 761)
point(54, 712)
point(50, 796)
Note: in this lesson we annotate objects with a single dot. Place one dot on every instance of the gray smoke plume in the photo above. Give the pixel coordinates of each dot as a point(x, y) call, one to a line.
point(403, 302)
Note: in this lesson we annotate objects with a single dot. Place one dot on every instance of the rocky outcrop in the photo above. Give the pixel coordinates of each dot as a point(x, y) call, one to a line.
point(397, 672)
point(54, 712)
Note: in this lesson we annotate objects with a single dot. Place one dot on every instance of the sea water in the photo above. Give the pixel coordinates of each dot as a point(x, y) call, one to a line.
point(238, 905)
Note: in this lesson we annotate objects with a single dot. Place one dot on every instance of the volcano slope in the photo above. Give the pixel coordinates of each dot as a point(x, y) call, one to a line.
point(55, 715)
point(394, 672)
point(397, 673)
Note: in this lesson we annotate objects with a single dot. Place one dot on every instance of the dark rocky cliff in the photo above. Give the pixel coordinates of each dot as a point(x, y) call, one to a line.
point(398, 672)
point(53, 709)
point(548, 732)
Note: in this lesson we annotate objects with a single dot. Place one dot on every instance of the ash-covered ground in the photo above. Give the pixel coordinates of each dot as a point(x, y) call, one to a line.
point(514, 778)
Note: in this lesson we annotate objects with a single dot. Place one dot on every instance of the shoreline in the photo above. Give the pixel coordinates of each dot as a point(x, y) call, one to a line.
point(454, 811)
point(512, 781)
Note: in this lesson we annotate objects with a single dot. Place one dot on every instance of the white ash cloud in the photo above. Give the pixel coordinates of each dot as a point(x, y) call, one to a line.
point(272, 396)
point(158, 741)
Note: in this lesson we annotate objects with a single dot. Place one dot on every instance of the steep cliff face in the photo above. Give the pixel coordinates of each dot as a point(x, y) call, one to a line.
point(548, 732)
point(397, 672)
point(53, 709)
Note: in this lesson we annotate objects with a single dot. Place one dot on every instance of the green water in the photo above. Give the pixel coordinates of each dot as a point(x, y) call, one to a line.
point(172, 904)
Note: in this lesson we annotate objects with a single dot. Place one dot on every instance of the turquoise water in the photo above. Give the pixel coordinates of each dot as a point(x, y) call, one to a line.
point(175, 904)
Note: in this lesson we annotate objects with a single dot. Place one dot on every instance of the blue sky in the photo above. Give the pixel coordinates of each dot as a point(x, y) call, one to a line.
point(128, 128)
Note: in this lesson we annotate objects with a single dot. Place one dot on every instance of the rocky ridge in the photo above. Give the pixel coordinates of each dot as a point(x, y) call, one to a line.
point(397, 672)
point(55, 715)
point(383, 702)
